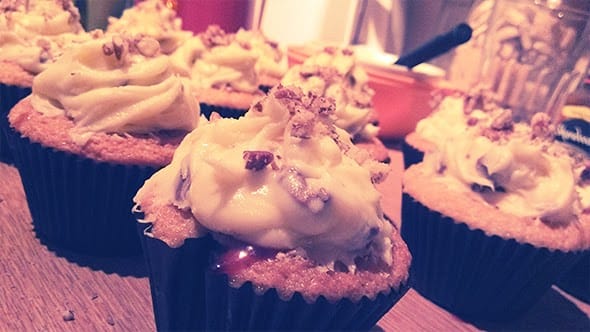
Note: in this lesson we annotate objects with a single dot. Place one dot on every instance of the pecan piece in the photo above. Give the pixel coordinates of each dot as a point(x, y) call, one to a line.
point(295, 184)
point(257, 160)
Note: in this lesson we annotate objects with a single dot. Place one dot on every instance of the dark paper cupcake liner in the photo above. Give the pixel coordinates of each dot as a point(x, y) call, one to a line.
point(9, 96)
point(410, 154)
point(79, 204)
point(474, 275)
point(576, 281)
point(188, 295)
point(225, 112)
point(243, 308)
point(177, 281)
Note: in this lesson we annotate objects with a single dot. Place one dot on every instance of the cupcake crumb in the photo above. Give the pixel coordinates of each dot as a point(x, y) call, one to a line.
point(68, 315)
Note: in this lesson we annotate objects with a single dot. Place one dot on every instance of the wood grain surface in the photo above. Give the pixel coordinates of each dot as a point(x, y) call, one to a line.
point(42, 288)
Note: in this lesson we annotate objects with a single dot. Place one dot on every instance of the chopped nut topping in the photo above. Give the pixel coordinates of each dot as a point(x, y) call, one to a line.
point(541, 126)
point(502, 119)
point(147, 47)
point(295, 184)
point(257, 160)
point(215, 36)
point(471, 121)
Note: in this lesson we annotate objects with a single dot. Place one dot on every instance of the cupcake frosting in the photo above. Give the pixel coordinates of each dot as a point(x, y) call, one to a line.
point(271, 60)
point(154, 19)
point(116, 84)
point(33, 33)
point(333, 73)
point(220, 60)
point(517, 167)
point(281, 177)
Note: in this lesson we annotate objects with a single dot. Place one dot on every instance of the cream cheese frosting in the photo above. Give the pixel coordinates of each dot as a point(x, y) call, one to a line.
point(116, 84)
point(34, 33)
point(333, 73)
point(516, 167)
point(235, 61)
point(281, 177)
point(152, 18)
point(271, 61)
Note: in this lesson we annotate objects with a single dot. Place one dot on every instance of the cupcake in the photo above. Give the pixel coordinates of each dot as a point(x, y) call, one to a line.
point(151, 18)
point(229, 71)
point(271, 222)
point(495, 215)
point(334, 73)
point(99, 122)
point(32, 35)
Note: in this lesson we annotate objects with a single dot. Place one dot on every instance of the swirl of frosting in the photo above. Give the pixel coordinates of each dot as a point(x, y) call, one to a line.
point(216, 59)
point(514, 169)
point(283, 176)
point(333, 73)
point(449, 119)
point(33, 33)
point(271, 62)
point(154, 19)
point(116, 84)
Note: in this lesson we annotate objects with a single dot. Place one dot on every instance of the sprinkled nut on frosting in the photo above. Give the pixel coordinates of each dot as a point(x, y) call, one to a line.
point(151, 18)
point(116, 84)
point(512, 165)
point(34, 34)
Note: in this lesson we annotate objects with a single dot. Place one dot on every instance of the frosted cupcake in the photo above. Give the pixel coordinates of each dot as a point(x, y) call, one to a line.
point(99, 121)
point(32, 35)
point(333, 73)
point(151, 18)
point(229, 72)
point(495, 215)
point(271, 222)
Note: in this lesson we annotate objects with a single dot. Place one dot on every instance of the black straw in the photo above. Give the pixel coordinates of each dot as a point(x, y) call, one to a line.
point(437, 46)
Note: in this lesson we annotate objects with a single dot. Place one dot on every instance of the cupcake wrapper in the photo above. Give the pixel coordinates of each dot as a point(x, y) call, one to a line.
point(177, 281)
point(242, 308)
point(411, 155)
point(474, 275)
point(9, 96)
point(225, 112)
point(79, 204)
point(576, 281)
point(188, 295)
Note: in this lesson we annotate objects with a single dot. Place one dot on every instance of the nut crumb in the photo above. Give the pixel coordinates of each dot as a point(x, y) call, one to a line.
point(94, 296)
point(110, 320)
point(68, 315)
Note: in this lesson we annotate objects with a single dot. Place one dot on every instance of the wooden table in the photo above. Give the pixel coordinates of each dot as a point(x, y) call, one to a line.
point(39, 285)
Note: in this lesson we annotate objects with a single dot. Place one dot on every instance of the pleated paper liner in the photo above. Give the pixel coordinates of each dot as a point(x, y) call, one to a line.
point(473, 275)
point(177, 280)
point(244, 308)
point(9, 96)
point(576, 281)
point(411, 154)
point(224, 112)
point(79, 204)
point(187, 295)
